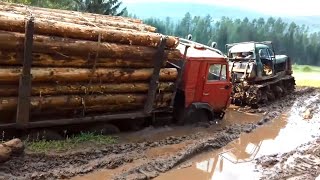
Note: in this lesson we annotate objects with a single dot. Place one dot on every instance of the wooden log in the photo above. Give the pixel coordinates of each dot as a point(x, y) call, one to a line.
point(74, 102)
point(102, 75)
point(9, 58)
point(27, 9)
point(5, 153)
point(14, 22)
point(100, 22)
point(68, 47)
point(57, 89)
point(7, 149)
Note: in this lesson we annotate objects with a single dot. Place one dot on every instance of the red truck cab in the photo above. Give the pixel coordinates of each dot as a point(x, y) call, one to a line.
point(205, 89)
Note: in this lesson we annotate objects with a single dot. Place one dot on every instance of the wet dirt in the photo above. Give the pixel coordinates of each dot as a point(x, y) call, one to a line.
point(153, 151)
point(269, 152)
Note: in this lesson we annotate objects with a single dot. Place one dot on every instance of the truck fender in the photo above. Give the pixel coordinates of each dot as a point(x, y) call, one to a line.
point(204, 106)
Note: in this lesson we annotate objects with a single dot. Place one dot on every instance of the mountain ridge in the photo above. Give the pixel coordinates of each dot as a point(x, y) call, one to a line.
point(176, 11)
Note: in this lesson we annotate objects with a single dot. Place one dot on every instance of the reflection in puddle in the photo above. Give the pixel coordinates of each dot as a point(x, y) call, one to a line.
point(234, 161)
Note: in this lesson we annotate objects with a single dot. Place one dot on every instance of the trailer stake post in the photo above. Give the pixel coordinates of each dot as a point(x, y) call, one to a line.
point(23, 108)
point(158, 62)
point(180, 75)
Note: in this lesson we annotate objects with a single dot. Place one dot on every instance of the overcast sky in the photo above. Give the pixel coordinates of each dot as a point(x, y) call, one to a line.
point(275, 7)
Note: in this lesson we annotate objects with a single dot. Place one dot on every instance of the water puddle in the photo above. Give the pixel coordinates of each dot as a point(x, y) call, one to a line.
point(234, 161)
point(152, 134)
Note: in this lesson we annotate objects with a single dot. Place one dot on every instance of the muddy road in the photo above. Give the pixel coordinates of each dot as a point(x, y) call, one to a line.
point(279, 140)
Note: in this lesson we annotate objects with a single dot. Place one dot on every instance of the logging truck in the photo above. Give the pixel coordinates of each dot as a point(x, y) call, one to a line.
point(201, 92)
point(62, 69)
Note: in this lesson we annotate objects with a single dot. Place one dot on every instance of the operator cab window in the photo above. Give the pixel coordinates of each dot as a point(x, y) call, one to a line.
point(217, 72)
point(270, 53)
point(264, 54)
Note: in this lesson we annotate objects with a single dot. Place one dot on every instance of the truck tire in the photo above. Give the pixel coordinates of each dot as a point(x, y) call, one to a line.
point(197, 115)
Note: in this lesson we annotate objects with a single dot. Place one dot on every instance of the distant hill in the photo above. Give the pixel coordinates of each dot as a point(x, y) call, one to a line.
point(177, 11)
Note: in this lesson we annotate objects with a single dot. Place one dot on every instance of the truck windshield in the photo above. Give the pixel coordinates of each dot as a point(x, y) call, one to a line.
point(217, 72)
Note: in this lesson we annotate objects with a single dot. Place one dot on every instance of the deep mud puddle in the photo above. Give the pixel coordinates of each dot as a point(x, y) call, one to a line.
point(154, 134)
point(236, 160)
point(232, 116)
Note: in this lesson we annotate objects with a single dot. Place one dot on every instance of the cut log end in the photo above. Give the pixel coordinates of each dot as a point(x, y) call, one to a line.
point(12, 147)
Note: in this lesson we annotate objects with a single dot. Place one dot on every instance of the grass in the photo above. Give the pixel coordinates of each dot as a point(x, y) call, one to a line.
point(307, 75)
point(81, 140)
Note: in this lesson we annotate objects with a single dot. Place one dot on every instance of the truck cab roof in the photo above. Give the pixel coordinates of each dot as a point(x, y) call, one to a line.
point(198, 51)
point(247, 47)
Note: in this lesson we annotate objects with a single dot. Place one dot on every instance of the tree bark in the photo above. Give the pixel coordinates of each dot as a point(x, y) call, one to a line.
point(72, 47)
point(101, 75)
point(57, 89)
point(14, 22)
point(54, 60)
point(74, 102)
point(39, 10)
point(80, 20)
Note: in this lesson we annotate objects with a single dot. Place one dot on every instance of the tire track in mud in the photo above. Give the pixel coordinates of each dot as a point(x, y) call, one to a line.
point(301, 163)
point(43, 166)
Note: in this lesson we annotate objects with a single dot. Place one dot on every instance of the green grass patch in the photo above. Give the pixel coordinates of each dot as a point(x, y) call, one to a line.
point(311, 79)
point(81, 140)
point(307, 75)
point(305, 68)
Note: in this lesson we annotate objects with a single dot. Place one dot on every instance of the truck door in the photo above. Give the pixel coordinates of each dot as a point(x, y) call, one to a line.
point(217, 86)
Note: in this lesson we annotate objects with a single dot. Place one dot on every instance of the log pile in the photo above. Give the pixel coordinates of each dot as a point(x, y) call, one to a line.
point(82, 61)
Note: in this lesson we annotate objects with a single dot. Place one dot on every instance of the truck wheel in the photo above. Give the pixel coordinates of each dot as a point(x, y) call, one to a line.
point(197, 115)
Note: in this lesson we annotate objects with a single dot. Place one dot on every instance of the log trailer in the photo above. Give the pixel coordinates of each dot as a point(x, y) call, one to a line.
point(201, 92)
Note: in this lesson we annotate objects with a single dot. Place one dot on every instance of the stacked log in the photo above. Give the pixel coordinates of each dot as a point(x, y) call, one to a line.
point(91, 62)
point(9, 148)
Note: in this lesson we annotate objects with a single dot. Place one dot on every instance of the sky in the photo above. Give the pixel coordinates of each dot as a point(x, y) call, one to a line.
point(269, 7)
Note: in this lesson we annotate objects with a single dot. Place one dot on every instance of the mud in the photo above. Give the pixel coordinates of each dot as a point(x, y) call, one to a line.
point(150, 152)
point(269, 152)
point(302, 163)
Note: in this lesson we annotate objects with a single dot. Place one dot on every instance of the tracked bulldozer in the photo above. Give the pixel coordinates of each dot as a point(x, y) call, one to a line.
point(258, 74)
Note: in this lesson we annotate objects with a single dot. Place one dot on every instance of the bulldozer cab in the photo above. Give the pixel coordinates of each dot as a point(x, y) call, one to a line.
point(252, 54)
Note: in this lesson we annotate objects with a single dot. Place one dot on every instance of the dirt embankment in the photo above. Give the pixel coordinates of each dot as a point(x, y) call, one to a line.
point(67, 165)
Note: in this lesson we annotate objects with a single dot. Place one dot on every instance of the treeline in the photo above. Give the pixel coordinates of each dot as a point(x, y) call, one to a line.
point(107, 7)
point(288, 38)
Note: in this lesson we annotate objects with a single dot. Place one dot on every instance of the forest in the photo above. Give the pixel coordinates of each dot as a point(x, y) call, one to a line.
point(288, 38)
